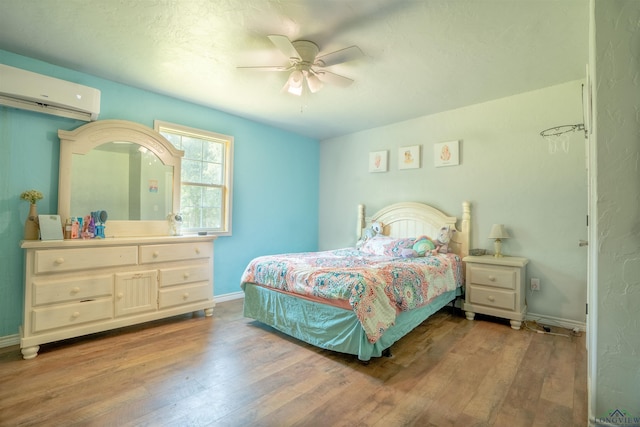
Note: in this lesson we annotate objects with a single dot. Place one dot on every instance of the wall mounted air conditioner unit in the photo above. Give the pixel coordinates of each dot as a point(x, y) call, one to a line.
point(31, 91)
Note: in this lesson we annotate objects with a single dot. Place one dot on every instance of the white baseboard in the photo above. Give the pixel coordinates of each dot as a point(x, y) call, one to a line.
point(229, 297)
point(9, 340)
point(556, 321)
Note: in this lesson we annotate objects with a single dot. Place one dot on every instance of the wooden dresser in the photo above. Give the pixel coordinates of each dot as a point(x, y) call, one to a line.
point(78, 287)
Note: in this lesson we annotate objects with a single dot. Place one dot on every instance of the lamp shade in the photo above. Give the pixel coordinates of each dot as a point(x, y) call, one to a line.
point(498, 232)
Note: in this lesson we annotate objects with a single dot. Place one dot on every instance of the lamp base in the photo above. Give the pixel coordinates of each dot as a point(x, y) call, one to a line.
point(497, 246)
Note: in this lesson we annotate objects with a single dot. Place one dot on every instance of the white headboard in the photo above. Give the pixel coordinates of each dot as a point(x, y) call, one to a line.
point(410, 219)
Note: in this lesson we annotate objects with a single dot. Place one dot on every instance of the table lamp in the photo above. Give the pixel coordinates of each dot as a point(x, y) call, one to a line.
point(498, 232)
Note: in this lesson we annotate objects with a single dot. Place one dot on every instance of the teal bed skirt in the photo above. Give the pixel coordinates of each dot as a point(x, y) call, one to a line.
point(329, 327)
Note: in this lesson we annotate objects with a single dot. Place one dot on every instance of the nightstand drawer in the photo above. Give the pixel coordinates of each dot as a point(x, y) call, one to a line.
point(495, 276)
point(492, 297)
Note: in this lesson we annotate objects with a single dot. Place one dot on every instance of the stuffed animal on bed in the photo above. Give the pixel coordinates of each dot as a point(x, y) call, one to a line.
point(423, 245)
point(408, 253)
point(373, 230)
point(442, 242)
point(370, 232)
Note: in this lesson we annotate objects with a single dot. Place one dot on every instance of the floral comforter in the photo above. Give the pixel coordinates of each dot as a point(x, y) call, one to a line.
point(377, 287)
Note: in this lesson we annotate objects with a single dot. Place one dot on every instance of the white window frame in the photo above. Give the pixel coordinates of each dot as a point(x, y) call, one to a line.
point(227, 187)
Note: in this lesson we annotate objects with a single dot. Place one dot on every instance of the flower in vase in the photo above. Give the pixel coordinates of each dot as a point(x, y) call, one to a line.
point(32, 196)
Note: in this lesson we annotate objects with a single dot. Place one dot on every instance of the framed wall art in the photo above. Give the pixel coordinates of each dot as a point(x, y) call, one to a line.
point(446, 154)
point(409, 157)
point(378, 161)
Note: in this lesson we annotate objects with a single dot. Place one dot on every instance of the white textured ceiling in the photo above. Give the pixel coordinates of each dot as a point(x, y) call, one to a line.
point(421, 56)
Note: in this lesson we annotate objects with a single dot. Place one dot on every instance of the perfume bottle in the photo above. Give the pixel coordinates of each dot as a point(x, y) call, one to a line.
point(67, 229)
point(75, 228)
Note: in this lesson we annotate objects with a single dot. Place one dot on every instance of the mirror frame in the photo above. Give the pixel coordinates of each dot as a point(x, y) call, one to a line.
point(89, 136)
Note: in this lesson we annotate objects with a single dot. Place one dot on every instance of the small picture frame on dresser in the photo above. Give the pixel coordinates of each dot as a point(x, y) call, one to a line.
point(50, 227)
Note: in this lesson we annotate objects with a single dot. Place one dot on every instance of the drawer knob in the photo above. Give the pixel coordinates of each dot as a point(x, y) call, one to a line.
point(491, 298)
point(197, 250)
point(75, 290)
point(59, 260)
point(492, 278)
point(156, 254)
point(120, 295)
point(185, 295)
point(75, 314)
point(185, 275)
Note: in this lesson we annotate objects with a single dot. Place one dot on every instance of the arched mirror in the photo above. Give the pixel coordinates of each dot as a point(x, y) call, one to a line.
point(123, 168)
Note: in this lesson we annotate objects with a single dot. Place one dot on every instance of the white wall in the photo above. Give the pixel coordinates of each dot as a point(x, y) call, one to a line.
point(505, 171)
point(615, 367)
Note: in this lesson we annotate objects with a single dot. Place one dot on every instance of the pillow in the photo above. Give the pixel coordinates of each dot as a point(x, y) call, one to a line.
point(387, 246)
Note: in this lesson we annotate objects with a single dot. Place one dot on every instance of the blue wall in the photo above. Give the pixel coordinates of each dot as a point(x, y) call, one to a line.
point(275, 186)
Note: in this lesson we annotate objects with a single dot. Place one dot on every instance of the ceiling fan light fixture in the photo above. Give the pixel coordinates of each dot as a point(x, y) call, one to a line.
point(314, 83)
point(295, 79)
point(295, 90)
point(294, 83)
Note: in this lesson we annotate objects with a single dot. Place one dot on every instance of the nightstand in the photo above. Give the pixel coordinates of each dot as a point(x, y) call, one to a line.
point(495, 286)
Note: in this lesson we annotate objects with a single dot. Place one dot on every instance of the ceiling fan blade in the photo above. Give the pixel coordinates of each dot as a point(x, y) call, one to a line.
point(333, 78)
point(267, 67)
point(339, 56)
point(284, 45)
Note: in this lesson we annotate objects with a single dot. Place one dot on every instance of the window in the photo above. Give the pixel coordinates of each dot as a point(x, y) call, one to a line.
point(206, 177)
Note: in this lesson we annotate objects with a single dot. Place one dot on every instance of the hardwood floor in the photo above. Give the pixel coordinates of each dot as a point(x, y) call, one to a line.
point(232, 371)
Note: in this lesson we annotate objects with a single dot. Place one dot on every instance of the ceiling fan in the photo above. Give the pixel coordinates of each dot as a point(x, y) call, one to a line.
point(306, 65)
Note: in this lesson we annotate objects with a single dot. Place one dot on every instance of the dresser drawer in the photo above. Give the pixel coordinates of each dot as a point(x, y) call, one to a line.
point(175, 252)
point(492, 297)
point(185, 294)
point(495, 276)
point(59, 260)
point(71, 314)
point(47, 292)
point(184, 275)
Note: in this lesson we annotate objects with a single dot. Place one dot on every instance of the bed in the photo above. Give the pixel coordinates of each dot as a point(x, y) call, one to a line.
point(360, 300)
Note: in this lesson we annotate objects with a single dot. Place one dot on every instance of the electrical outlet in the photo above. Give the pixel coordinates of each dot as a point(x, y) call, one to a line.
point(535, 284)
